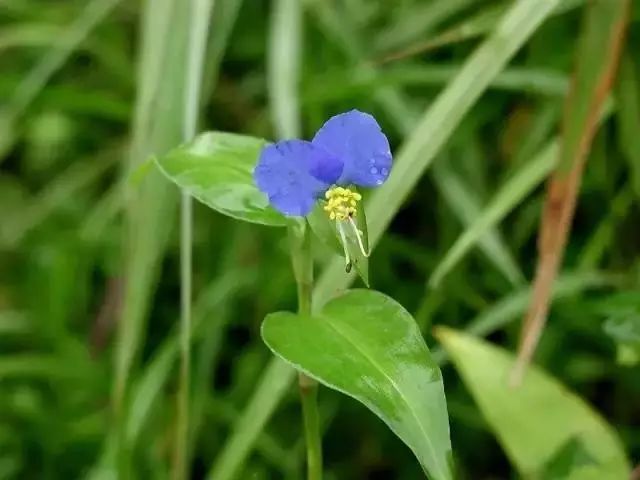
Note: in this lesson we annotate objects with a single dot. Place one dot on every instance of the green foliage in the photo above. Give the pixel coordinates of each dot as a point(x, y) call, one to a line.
point(367, 346)
point(89, 249)
point(532, 440)
point(217, 169)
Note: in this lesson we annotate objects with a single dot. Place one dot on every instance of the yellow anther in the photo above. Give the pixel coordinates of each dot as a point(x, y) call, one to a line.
point(341, 203)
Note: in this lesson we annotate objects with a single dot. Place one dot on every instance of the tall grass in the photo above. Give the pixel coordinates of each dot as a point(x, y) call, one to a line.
point(102, 374)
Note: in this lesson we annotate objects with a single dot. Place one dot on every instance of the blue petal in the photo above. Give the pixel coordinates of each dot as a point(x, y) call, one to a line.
point(356, 138)
point(294, 173)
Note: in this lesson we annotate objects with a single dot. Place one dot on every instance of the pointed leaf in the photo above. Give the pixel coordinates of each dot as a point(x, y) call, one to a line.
point(217, 169)
point(536, 421)
point(366, 345)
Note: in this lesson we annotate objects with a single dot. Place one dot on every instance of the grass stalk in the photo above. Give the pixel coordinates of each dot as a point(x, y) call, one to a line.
point(199, 16)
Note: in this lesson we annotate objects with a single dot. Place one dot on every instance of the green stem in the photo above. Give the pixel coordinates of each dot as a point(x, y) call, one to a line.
point(199, 13)
point(308, 396)
point(303, 270)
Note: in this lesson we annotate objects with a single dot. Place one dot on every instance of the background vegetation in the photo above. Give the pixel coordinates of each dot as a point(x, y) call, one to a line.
point(89, 362)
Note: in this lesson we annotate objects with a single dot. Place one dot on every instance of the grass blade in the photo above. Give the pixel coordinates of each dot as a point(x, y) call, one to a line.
point(465, 206)
point(628, 101)
point(148, 388)
point(199, 12)
point(598, 55)
point(522, 182)
point(439, 122)
point(444, 115)
point(157, 126)
point(395, 103)
point(471, 27)
point(284, 54)
point(419, 21)
point(67, 184)
point(509, 308)
point(344, 84)
point(599, 243)
point(275, 382)
point(225, 14)
point(511, 193)
point(38, 77)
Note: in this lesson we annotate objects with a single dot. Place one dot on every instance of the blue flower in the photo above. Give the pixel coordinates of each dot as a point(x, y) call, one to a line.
point(349, 149)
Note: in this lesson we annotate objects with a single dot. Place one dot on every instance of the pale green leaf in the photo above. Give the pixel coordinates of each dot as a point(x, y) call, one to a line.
point(537, 420)
point(217, 169)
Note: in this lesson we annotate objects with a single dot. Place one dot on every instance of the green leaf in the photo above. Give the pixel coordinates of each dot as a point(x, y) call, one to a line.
point(572, 458)
point(536, 421)
point(367, 346)
point(217, 169)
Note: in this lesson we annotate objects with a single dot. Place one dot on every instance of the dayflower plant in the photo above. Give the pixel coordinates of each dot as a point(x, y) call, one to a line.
point(348, 151)
point(361, 342)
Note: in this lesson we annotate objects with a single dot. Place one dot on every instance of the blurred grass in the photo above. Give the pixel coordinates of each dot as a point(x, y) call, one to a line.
point(283, 72)
point(64, 45)
point(600, 46)
point(151, 204)
point(64, 212)
point(199, 14)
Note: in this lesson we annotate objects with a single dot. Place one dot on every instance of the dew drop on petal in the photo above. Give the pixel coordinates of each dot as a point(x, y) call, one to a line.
point(384, 171)
point(372, 161)
point(373, 170)
point(379, 182)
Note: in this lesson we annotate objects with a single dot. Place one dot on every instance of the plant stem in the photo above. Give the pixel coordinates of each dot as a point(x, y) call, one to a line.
point(198, 22)
point(309, 398)
point(303, 270)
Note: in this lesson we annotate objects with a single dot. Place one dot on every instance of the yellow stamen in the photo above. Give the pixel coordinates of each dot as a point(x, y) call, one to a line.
point(341, 203)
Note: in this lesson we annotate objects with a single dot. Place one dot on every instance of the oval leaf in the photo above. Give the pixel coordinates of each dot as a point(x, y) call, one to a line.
point(366, 345)
point(540, 422)
point(217, 169)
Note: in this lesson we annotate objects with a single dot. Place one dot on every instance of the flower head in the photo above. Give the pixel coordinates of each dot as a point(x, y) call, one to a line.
point(349, 149)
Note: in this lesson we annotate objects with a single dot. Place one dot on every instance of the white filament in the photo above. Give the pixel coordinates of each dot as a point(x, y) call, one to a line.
point(359, 237)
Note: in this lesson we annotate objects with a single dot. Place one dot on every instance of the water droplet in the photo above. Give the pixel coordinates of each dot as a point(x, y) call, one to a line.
point(384, 171)
point(379, 182)
point(372, 161)
point(373, 170)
